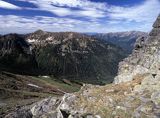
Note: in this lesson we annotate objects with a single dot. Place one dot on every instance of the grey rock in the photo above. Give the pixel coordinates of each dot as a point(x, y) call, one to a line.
point(20, 113)
point(145, 58)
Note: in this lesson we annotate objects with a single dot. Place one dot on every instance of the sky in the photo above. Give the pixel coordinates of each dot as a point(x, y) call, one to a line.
point(102, 16)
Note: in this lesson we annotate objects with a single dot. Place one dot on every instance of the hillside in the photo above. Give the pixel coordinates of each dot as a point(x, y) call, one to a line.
point(135, 93)
point(125, 40)
point(66, 55)
point(16, 52)
point(43, 64)
point(20, 90)
point(75, 56)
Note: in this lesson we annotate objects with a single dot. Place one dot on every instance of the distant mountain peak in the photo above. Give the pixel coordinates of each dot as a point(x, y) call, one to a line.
point(39, 32)
point(125, 40)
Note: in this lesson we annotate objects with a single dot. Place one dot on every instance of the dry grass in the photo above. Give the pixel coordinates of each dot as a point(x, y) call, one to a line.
point(104, 100)
point(15, 91)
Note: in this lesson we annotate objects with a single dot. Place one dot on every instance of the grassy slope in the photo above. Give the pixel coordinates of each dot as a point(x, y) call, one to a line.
point(15, 91)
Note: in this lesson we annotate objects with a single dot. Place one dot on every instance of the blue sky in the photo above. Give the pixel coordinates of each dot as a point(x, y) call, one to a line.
point(23, 16)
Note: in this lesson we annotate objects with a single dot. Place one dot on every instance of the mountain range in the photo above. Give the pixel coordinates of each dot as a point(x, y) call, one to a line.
point(125, 40)
point(66, 55)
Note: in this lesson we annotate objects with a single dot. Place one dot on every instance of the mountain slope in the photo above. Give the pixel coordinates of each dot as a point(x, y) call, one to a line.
point(37, 65)
point(20, 90)
point(75, 56)
point(137, 97)
point(125, 40)
point(66, 55)
point(16, 54)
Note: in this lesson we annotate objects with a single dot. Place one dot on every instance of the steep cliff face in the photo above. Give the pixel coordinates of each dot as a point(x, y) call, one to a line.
point(144, 59)
point(139, 98)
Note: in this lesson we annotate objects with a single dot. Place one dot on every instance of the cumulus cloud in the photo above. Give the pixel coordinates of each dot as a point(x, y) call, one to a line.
point(7, 5)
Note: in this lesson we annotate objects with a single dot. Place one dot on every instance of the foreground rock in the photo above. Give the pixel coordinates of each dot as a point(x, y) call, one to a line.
point(139, 98)
point(135, 95)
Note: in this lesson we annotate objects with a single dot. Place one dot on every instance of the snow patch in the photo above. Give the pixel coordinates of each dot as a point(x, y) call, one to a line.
point(33, 85)
point(31, 40)
point(45, 76)
point(49, 38)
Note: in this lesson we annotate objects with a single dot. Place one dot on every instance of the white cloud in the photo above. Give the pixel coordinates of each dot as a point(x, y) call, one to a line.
point(139, 17)
point(20, 24)
point(84, 8)
point(69, 3)
point(145, 12)
point(7, 5)
point(101, 17)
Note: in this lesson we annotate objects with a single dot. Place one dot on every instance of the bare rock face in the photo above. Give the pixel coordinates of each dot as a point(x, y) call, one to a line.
point(144, 59)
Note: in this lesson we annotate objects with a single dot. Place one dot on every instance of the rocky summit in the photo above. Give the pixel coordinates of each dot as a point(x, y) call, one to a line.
point(135, 93)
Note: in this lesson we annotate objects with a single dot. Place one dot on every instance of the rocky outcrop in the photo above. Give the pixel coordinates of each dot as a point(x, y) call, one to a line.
point(144, 59)
point(137, 99)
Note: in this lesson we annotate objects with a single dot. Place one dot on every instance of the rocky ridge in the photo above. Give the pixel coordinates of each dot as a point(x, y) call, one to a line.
point(135, 94)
